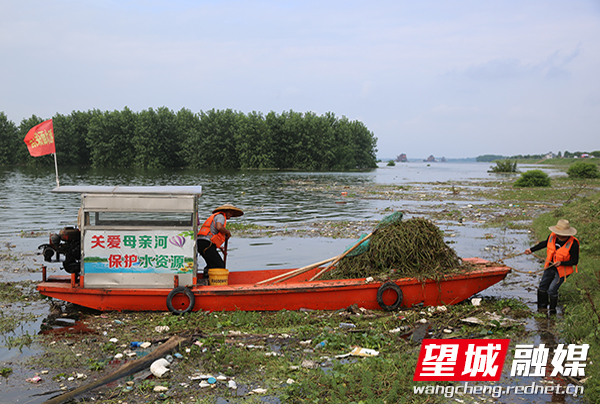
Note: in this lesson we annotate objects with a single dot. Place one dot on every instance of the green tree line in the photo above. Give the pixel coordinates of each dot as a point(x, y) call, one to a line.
point(215, 139)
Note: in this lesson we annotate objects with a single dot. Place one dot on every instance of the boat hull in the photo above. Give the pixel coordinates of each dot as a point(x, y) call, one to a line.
point(243, 293)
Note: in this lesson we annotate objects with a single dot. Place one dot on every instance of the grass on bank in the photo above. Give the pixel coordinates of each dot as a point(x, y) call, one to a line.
point(580, 294)
point(265, 350)
point(561, 162)
point(563, 191)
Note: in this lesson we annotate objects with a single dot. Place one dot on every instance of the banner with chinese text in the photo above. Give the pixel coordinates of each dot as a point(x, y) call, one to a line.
point(151, 251)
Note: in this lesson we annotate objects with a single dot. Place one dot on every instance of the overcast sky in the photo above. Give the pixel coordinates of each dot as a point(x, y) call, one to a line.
point(448, 78)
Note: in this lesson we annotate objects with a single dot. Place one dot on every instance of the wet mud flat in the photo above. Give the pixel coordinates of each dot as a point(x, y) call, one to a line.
point(279, 357)
point(265, 357)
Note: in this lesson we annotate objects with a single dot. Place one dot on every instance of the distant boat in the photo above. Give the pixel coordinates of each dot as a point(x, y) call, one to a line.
point(432, 159)
point(401, 158)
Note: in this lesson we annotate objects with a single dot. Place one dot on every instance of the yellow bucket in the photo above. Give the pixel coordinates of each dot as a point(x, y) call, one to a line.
point(218, 276)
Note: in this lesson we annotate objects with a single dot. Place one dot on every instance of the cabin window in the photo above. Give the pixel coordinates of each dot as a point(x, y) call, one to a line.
point(138, 219)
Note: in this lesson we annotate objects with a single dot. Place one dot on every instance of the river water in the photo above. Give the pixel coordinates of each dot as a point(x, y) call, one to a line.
point(283, 200)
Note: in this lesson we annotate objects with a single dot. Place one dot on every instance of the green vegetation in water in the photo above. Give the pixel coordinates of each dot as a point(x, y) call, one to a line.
point(580, 294)
point(408, 248)
point(391, 163)
point(15, 298)
point(505, 166)
point(23, 291)
point(10, 319)
point(5, 372)
point(533, 178)
point(31, 234)
point(19, 341)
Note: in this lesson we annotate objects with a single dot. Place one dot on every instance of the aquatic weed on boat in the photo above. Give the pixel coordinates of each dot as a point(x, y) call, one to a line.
point(395, 217)
point(410, 248)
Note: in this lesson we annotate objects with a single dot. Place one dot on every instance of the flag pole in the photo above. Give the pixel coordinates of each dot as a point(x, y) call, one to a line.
point(56, 168)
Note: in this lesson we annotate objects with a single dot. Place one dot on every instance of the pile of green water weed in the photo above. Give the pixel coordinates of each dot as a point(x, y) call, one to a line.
point(409, 248)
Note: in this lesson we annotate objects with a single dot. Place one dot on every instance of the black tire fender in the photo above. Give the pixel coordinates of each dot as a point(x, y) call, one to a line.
point(395, 288)
point(177, 291)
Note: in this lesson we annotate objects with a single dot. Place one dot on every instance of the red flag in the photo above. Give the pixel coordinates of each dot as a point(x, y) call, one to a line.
point(40, 139)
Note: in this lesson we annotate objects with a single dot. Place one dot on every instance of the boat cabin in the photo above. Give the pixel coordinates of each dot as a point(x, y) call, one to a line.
point(134, 249)
point(136, 237)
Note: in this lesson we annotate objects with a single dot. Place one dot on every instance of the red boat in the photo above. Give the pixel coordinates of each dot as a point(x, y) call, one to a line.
point(134, 249)
point(243, 293)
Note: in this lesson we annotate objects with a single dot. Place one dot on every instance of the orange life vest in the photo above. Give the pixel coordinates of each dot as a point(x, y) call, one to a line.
point(217, 239)
point(562, 254)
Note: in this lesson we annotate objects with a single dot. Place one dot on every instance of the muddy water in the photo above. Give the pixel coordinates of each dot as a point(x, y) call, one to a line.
point(288, 200)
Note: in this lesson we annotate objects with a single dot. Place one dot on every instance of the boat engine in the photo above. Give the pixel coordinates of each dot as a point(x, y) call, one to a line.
point(68, 244)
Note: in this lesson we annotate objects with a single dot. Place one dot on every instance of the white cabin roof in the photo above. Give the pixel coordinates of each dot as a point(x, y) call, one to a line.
point(148, 190)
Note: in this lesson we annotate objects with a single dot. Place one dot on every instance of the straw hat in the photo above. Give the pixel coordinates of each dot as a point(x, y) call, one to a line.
point(563, 228)
point(235, 212)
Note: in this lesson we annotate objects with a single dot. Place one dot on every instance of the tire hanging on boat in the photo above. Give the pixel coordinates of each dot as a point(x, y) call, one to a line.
point(177, 291)
point(395, 288)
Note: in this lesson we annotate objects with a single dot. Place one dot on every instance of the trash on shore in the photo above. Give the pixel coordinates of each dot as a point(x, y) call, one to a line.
point(34, 379)
point(491, 319)
point(358, 351)
point(160, 367)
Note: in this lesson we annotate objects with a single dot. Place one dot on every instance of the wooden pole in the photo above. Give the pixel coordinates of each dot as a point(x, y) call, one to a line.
point(56, 168)
point(125, 370)
point(295, 272)
point(225, 252)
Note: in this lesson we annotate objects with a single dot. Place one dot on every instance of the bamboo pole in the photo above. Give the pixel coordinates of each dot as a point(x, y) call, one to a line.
point(295, 272)
point(341, 256)
point(305, 269)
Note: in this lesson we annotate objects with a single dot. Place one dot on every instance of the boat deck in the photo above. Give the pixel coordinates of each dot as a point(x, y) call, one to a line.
point(243, 293)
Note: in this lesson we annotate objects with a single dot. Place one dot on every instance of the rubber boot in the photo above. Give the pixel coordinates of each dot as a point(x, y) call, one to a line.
point(553, 303)
point(542, 300)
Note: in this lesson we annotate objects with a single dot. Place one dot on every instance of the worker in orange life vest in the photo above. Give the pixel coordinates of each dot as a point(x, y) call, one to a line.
point(213, 234)
point(562, 256)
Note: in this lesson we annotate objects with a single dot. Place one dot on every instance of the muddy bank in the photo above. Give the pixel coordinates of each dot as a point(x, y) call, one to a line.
point(267, 355)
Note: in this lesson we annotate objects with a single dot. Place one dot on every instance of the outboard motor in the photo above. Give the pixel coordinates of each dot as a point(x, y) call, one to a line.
point(67, 243)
